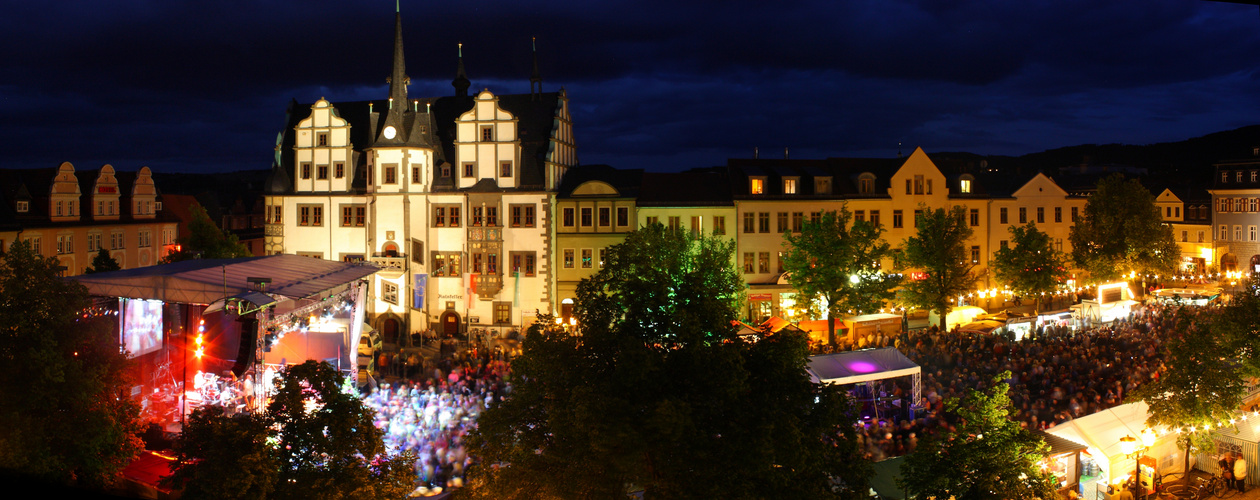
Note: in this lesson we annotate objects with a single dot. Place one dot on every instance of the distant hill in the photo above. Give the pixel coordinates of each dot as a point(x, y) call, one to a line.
point(1164, 157)
point(1185, 165)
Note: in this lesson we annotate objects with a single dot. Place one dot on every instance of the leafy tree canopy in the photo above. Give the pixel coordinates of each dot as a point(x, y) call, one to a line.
point(986, 456)
point(940, 249)
point(1204, 381)
point(314, 441)
point(65, 400)
point(102, 263)
point(206, 241)
point(839, 263)
point(1121, 231)
point(221, 456)
point(1031, 265)
point(657, 394)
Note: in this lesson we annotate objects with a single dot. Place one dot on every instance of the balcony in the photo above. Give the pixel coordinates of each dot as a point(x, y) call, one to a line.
point(392, 266)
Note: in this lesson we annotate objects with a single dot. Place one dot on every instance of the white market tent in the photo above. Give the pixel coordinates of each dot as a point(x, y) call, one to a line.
point(957, 316)
point(1101, 433)
point(867, 365)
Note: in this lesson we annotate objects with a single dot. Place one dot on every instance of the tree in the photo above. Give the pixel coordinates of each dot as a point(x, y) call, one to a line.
point(939, 248)
point(1031, 265)
point(314, 441)
point(206, 241)
point(840, 264)
point(102, 263)
point(221, 456)
point(1121, 231)
point(985, 456)
point(658, 394)
point(1204, 382)
point(65, 403)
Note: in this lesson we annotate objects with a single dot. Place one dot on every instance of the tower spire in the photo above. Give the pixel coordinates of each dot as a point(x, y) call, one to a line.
point(535, 78)
point(398, 79)
point(461, 82)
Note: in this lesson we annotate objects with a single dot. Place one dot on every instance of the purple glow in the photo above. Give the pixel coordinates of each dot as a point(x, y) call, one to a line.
point(862, 367)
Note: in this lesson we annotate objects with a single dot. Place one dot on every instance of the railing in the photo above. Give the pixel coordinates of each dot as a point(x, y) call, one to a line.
point(393, 263)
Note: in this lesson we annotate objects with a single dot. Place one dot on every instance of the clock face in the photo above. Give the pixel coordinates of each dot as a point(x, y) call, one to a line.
point(390, 132)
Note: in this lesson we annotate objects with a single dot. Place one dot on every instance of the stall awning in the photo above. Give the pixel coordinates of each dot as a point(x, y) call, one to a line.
point(855, 367)
point(1060, 445)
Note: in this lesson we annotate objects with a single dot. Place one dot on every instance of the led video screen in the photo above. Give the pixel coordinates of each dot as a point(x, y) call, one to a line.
point(140, 325)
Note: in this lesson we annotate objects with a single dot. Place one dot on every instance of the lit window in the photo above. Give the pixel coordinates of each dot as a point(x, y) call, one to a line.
point(964, 186)
point(789, 186)
point(757, 186)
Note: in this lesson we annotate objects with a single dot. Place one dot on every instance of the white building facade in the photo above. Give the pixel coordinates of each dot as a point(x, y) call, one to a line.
point(452, 197)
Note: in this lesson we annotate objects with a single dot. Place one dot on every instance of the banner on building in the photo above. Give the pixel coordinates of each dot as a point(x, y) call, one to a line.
point(417, 299)
point(516, 299)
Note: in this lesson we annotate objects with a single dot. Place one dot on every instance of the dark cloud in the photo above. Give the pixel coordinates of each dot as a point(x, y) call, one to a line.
point(655, 84)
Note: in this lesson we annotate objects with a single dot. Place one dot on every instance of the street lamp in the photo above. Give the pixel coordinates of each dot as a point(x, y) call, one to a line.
point(1133, 447)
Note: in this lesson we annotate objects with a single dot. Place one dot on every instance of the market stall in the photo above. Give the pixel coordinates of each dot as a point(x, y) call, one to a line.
point(870, 326)
point(1241, 437)
point(1103, 464)
point(958, 316)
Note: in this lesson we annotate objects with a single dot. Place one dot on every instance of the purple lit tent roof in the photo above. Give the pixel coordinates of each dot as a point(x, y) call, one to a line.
point(855, 367)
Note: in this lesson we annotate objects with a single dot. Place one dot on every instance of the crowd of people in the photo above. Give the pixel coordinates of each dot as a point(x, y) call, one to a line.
point(1056, 375)
point(431, 414)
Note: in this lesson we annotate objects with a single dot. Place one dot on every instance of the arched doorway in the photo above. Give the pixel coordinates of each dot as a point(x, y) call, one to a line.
point(1229, 262)
point(390, 250)
point(566, 309)
point(450, 323)
point(389, 326)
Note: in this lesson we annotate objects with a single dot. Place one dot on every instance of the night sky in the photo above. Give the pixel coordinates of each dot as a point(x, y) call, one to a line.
point(661, 85)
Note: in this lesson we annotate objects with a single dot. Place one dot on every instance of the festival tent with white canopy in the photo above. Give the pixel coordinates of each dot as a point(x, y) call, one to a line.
point(1101, 433)
point(867, 365)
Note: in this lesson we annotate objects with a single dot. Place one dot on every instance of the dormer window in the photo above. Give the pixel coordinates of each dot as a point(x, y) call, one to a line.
point(157, 204)
point(964, 184)
point(789, 186)
point(23, 207)
point(866, 183)
point(1253, 176)
point(822, 185)
point(756, 186)
point(1225, 176)
point(1238, 176)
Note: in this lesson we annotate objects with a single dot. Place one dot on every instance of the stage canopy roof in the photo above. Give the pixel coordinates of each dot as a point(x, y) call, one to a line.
point(203, 281)
point(855, 367)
